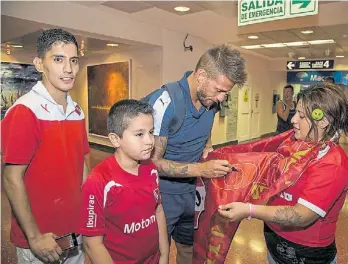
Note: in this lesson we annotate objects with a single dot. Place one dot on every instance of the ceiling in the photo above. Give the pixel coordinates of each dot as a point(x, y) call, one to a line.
point(195, 6)
point(207, 19)
point(17, 34)
point(229, 9)
point(338, 33)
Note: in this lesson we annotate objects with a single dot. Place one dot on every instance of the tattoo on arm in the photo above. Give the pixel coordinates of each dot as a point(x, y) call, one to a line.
point(160, 147)
point(177, 169)
point(167, 167)
point(287, 216)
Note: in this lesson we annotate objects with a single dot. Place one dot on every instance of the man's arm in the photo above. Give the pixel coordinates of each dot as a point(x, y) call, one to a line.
point(43, 245)
point(208, 148)
point(85, 169)
point(168, 168)
point(283, 113)
point(96, 250)
point(163, 236)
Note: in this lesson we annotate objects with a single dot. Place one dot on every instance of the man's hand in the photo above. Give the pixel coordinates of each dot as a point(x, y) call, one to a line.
point(234, 211)
point(215, 168)
point(45, 247)
point(206, 152)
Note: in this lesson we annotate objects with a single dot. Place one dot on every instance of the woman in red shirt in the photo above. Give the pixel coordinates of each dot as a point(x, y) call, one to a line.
point(300, 222)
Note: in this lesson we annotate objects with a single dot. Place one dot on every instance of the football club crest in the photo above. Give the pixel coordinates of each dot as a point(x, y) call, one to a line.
point(156, 194)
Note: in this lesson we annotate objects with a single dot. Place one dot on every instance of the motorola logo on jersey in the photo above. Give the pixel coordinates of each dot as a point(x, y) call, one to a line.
point(136, 226)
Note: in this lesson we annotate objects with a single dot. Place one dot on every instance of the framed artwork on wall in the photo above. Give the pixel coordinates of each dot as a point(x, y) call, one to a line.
point(16, 80)
point(107, 84)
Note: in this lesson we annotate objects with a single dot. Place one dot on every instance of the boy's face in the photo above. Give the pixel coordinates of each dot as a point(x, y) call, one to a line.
point(59, 66)
point(138, 140)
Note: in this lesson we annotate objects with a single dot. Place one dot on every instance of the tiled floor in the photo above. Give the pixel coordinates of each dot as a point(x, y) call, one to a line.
point(247, 248)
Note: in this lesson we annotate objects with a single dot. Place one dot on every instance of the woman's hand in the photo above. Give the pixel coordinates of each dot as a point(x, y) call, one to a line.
point(235, 212)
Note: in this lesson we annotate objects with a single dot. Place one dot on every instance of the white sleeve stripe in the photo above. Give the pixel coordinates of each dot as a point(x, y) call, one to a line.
point(313, 207)
point(107, 189)
point(160, 106)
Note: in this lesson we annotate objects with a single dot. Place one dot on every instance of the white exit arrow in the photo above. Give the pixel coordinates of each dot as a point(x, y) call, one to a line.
point(290, 65)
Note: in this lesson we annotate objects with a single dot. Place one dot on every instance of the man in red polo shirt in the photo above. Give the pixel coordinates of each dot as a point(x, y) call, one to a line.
point(44, 142)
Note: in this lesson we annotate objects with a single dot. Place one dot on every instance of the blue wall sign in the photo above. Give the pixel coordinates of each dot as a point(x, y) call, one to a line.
point(312, 77)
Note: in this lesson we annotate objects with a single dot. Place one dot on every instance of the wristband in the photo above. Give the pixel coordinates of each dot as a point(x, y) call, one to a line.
point(251, 211)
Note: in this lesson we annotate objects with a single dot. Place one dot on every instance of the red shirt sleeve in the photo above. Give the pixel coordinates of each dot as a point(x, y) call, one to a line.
point(92, 220)
point(20, 135)
point(325, 183)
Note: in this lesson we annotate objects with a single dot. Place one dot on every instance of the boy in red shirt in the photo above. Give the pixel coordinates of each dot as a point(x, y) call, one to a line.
point(122, 219)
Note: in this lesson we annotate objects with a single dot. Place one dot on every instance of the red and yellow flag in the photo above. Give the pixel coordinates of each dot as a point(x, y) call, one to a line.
point(260, 170)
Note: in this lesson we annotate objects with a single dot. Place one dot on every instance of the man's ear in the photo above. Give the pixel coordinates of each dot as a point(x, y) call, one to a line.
point(323, 123)
point(201, 75)
point(114, 139)
point(38, 64)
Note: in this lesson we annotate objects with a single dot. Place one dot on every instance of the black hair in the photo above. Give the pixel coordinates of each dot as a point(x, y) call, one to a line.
point(122, 112)
point(289, 86)
point(50, 37)
point(334, 104)
point(329, 79)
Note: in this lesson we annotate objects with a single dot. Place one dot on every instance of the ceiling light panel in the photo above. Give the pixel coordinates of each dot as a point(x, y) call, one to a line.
point(296, 44)
point(252, 47)
point(324, 41)
point(274, 45)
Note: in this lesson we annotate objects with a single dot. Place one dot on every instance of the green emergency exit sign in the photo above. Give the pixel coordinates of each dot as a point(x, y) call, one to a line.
point(258, 11)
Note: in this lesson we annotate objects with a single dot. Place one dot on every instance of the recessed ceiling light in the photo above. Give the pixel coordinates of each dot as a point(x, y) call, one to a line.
point(307, 32)
point(340, 56)
point(301, 58)
point(16, 46)
point(181, 8)
point(253, 37)
point(112, 45)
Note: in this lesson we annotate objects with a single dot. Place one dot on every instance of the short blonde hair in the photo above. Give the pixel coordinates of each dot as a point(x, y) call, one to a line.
point(224, 60)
